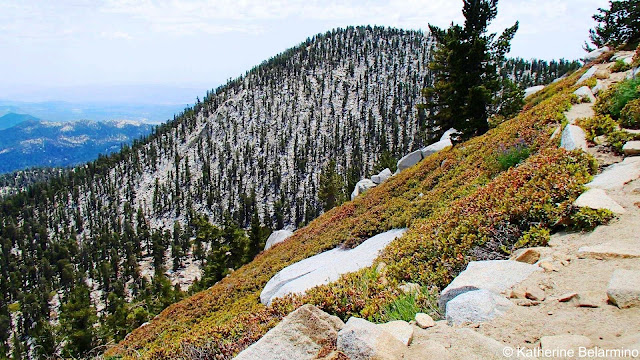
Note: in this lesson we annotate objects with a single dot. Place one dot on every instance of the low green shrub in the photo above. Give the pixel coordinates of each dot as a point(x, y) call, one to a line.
point(535, 236)
point(612, 101)
point(586, 219)
point(630, 115)
point(512, 156)
point(620, 66)
point(597, 125)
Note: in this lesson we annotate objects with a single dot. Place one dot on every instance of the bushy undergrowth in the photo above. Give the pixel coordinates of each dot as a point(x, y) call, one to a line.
point(457, 207)
point(630, 114)
point(612, 101)
point(620, 66)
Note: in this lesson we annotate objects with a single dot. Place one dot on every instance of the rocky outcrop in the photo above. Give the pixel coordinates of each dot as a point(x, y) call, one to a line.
point(598, 199)
point(584, 94)
point(532, 90)
point(362, 340)
point(326, 267)
point(277, 237)
point(588, 75)
point(624, 288)
point(445, 141)
point(401, 330)
point(383, 176)
point(303, 334)
point(475, 307)
point(596, 54)
point(362, 186)
point(409, 160)
point(615, 176)
point(496, 276)
point(631, 148)
point(573, 137)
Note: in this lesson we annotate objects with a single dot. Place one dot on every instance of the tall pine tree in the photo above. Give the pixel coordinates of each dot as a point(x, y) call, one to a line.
point(467, 82)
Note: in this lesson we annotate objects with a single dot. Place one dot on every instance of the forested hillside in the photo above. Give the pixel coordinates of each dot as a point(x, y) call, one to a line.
point(115, 241)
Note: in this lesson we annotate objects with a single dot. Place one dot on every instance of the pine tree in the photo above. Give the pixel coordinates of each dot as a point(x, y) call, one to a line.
point(77, 320)
point(331, 192)
point(620, 24)
point(466, 64)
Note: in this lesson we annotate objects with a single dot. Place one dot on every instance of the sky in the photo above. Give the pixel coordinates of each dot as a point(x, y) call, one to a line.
point(76, 50)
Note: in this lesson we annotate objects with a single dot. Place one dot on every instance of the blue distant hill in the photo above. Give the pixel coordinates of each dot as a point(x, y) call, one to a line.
point(13, 119)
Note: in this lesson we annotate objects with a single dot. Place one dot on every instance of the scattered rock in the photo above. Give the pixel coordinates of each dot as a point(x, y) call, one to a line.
point(631, 148)
point(429, 349)
point(556, 132)
point(527, 256)
point(526, 302)
point(612, 250)
point(361, 187)
point(493, 275)
point(399, 329)
point(483, 347)
point(588, 75)
point(383, 176)
point(564, 343)
point(424, 321)
point(301, 335)
point(518, 293)
point(590, 299)
point(410, 288)
point(547, 266)
point(325, 267)
point(362, 340)
point(624, 288)
point(409, 160)
point(573, 137)
point(277, 237)
point(584, 94)
point(567, 297)
point(535, 293)
point(595, 54)
point(532, 90)
point(598, 199)
point(475, 307)
point(614, 177)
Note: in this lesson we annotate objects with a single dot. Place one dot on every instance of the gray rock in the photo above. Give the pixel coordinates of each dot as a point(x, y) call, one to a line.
point(383, 176)
point(624, 288)
point(532, 90)
point(409, 160)
point(300, 335)
point(410, 288)
point(361, 187)
point(399, 329)
point(598, 199)
point(277, 237)
point(444, 142)
point(588, 75)
point(595, 54)
point(424, 321)
point(494, 275)
point(326, 267)
point(584, 93)
point(598, 88)
point(615, 176)
point(475, 307)
point(632, 148)
point(564, 343)
point(362, 340)
point(633, 73)
point(573, 137)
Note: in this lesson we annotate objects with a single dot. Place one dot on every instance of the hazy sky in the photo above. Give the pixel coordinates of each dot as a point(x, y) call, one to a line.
point(201, 43)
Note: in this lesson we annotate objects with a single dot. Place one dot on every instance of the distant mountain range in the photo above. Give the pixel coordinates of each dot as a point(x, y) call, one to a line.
point(33, 142)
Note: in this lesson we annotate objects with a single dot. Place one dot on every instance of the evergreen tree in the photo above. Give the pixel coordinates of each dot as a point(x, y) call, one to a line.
point(618, 25)
point(77, 320)
point(466, 64)
point(331, 191)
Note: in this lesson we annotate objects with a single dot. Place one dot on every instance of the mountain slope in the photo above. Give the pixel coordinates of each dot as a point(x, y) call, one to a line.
point(460, 204)
point(13, 119)
point(33, 143)
point(127, 225)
